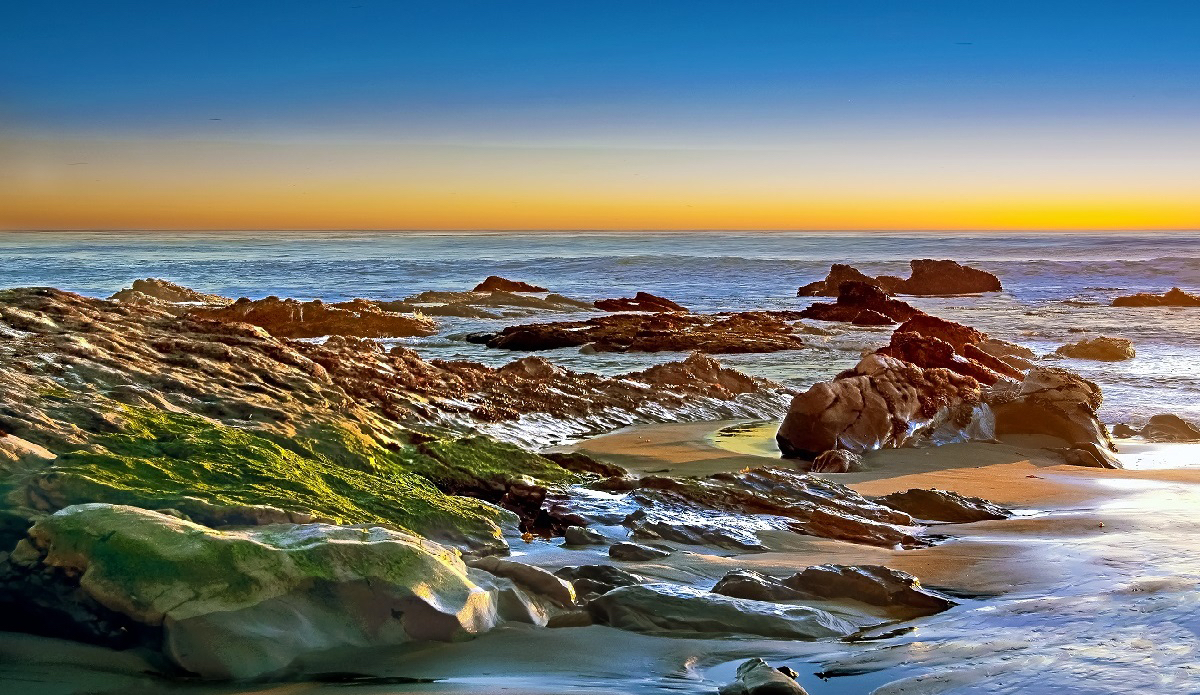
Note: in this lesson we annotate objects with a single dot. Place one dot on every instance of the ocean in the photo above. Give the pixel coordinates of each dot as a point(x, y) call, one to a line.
point(1057, 286)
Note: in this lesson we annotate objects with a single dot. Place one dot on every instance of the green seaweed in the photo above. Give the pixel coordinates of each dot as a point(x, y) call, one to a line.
point(337, 472)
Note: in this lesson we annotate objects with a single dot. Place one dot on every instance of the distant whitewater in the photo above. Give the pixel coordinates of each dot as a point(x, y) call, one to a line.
point(1058, 286)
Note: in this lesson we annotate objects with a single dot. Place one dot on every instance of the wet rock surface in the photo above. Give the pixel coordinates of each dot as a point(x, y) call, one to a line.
point(756, 587)
point(1057, 402)
point(1172, 297)
point(836, 461)
point(1170, 428)
point(757, 677)
point(875, 585)
point(943, 505)
point(590, 581)
point(1103, 348)
point(636, 552)
point(672, 609)
point(657, 332)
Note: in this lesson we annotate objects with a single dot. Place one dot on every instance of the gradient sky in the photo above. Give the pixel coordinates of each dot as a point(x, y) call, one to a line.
point(599, 114)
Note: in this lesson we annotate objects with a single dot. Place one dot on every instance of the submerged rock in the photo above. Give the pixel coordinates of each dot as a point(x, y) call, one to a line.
point(943, 505)
point(244, 604)
point(672, 609)
point(757, 677)
point(495, 283)
point(592, 580)
point(875, 585)
point(878, 404)
point(642, 301)
point(290, 318)
point(1103, 349)
point(1173, 297)
point(582, 535)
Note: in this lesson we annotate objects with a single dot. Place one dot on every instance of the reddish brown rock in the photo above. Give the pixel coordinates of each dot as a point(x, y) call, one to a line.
point(965, 342)
point(927, 352)
point(838, 273)
point(878, 404)
point(495, 283)
point(836, 461)
point(943, 505)
point(156, 290)
point(1173, 297)
point(662, 332)
point(642, 301)
point(1170, 428)
point(290, 318)
point(1057, 402)
point(874, 585)
point(932, 277)
point(863, 304)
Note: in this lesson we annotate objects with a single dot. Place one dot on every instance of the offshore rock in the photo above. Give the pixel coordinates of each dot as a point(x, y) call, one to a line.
point(245, 604)
point(838, 273)
point(642, 301)
point(661, 332)
point(1173, 297)
point(863, 304)
point(757, 677)
point(1103, 348)
point(1056, 402)
point(495, 283)
point(673, 609)
point(943, 505)
point(483, 305)
point(290, 318)
point(875, 585)
point(878, 404)
point(944, 277)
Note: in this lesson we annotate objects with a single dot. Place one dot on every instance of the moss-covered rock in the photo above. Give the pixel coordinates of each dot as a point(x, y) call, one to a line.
point(161, 459)
point(238, 604)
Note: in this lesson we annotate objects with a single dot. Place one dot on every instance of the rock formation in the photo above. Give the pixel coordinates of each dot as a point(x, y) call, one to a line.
point(756, 677)
point(836, 461)
point(943, 505)
point(862, 304)
point(290, 318)
point(495, 283)
point(1170, 428)
point(1103, 349)
point(155, 290)
point(878, 404)
point(1173, 297)
point(1054, 401)
point(642, 301)
point(874, 585)
point(928, 277)
point(662, 332)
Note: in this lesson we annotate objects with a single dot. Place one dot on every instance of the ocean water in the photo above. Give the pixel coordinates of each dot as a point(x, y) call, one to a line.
point(1058, 286)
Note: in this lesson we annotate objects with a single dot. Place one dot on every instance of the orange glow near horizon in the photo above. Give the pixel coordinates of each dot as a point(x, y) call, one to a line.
point(247, 186)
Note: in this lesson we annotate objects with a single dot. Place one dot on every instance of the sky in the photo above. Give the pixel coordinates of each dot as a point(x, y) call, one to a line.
point(589, 114)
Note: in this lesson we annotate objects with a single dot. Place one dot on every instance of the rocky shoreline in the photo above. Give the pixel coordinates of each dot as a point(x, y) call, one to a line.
point(184, 473)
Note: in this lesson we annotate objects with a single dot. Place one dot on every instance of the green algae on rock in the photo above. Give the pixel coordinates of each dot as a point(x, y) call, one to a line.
point(245, 603)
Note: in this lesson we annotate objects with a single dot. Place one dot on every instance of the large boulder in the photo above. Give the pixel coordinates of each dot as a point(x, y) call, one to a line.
point(495, 283)
point(943, 277)
point(246, 603)
point(673, 609)
point(838, 273)
point(836, 461)
point(166, 292)
point(755, 586)
point(291, 318)
point(1173, 297)
point(1057, 402)
point(878, 404)
point(1103, 349)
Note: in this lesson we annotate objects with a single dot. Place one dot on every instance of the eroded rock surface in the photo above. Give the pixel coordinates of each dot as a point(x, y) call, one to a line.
point(290, 318)
point(943, 505)
point(156, 290)
point(757, 677)
point(642, 301)
point(863, 304)
point(836, 461)
point(1170, 428)
point(495, 283)
point(875, 585)
point(1057, 402)
point(928, 277)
